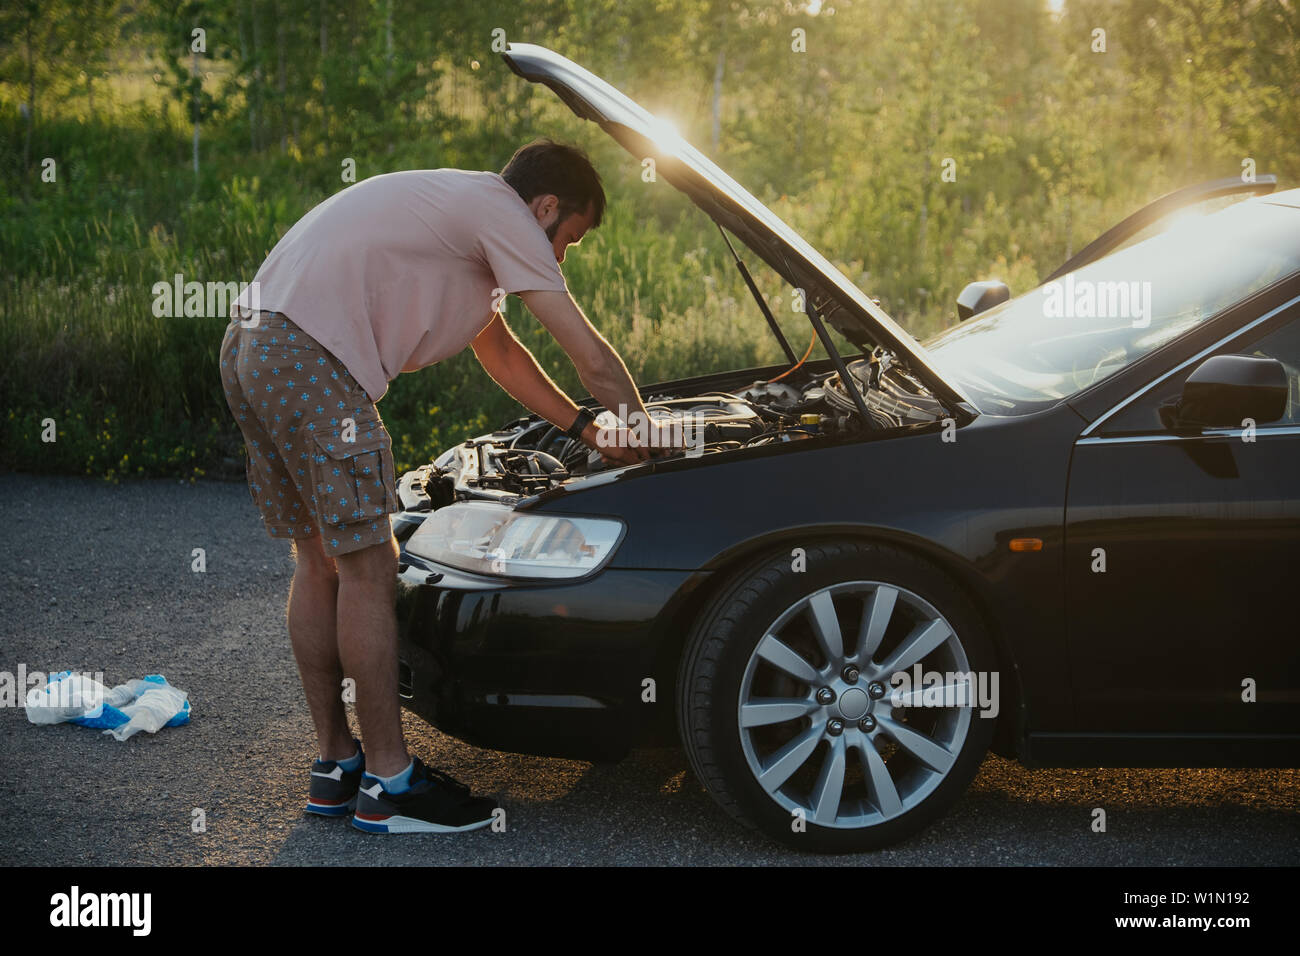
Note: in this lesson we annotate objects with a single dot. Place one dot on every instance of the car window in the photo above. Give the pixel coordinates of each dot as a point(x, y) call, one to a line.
point(1282, 343)
point(1065, 336)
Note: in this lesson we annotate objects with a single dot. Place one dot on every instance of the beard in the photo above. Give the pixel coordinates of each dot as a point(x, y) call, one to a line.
point(562, 215)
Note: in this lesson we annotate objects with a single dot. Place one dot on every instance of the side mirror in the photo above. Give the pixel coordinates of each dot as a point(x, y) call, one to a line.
point(1227, 389)
point(979, 296)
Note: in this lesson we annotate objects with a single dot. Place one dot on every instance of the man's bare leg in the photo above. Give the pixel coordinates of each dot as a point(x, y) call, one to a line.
point(313, 634)
point(367, 643)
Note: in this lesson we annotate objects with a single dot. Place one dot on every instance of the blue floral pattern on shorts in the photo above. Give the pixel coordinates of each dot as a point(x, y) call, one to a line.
point(319, 459)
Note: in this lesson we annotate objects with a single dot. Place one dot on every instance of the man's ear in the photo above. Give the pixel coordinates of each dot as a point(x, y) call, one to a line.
point(544, 205)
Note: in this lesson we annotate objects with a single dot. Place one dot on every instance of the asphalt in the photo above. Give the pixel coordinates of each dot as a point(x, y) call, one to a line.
point(98, 577)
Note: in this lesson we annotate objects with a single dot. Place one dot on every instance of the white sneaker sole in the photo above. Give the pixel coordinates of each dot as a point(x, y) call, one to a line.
point(398, 824)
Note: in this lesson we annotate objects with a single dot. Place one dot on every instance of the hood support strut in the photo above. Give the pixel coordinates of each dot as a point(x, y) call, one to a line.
point(762, 303)
point(819, 327)
point(850, 385)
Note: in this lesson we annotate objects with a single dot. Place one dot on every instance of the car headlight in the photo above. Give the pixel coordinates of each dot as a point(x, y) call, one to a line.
point(489, 539)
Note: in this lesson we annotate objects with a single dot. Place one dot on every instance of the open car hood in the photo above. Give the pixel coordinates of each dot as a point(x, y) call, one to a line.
point(841, 303)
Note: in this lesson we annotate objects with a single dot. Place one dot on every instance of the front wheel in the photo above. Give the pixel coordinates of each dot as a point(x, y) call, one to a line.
point(836, 704)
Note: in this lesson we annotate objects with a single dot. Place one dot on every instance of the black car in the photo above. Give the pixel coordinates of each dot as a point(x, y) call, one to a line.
point(1061, 530)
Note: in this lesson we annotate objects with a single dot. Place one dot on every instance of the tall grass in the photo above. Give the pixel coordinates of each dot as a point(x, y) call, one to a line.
point(131, 393)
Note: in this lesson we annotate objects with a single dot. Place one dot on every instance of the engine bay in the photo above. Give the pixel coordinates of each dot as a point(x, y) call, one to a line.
point(530, 455)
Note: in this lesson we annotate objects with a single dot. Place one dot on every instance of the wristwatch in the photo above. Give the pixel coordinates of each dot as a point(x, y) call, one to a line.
point(585, 417)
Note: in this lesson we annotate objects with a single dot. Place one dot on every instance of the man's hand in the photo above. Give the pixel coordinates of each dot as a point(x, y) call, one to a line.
point(513, 367)
point(619, 445)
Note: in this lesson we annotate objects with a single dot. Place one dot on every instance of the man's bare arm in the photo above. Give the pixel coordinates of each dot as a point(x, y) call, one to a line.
point(599, 366)
point(513, 367)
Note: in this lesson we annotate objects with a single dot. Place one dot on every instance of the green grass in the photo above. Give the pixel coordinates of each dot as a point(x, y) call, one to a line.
point(132, 394)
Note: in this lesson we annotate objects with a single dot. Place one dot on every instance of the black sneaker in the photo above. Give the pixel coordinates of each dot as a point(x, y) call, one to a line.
point(435, 804)
point(333, 791)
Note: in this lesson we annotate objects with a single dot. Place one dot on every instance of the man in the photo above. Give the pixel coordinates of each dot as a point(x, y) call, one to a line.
point(390, 275)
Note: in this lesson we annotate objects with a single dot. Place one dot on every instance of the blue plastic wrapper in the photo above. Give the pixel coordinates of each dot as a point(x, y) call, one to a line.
point(148, 703)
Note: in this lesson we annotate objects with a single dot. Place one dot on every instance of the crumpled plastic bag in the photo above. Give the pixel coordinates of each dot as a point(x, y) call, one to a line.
point(70, 697)
point(148, 703)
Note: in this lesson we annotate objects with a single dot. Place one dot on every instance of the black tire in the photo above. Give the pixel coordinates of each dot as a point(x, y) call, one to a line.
point(718, 654)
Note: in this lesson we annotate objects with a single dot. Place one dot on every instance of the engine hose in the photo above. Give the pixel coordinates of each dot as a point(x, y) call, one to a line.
point(529, 430)
point(800, 407)
point(548, 437)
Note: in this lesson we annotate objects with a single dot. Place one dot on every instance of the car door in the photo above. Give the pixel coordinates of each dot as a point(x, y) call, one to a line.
point(1181, 590)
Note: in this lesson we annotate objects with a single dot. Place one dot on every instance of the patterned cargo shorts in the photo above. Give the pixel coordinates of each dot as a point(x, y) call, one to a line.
point(319, 459)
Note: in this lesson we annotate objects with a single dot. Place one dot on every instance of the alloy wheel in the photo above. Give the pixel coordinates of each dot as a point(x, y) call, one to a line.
point(823, 729)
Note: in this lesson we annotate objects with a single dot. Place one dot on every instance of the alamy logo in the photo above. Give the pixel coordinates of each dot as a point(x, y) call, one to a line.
point(37, 689)
point(1085, 299)
point(643, 431)
point(196, 300)
point(922, 688)
point(75, 908)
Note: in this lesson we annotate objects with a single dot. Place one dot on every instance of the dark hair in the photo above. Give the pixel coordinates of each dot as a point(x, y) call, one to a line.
point(544, 167)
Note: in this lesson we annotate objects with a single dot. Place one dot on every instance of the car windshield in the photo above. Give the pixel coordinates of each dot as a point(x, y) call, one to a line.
point(1031, 352)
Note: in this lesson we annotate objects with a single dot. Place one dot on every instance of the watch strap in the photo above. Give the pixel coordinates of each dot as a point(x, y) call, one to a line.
point(585, 417)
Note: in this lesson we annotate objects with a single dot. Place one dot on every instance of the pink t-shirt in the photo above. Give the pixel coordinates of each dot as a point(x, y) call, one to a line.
point(399, 271)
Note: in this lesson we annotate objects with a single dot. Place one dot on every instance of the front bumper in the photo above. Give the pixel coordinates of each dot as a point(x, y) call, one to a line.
point(551, 669)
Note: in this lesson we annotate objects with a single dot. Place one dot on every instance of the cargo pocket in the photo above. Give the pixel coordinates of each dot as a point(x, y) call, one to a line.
point(351, 479)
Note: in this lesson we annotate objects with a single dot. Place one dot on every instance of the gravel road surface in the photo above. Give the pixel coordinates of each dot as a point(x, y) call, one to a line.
point(98, 577)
